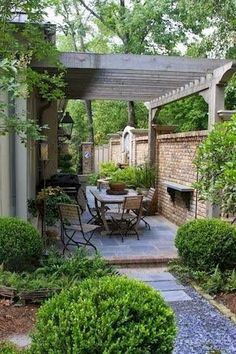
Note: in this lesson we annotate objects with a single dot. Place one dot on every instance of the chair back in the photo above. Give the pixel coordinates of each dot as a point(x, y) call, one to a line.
point(69, 214)
point(150, 201)
point(134, 204)
point(151, 193)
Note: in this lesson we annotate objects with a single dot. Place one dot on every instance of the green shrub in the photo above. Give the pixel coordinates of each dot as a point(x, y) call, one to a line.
point(109, 315)
point(92, 180)
point(107, 168)
point(126, 175)
point(20, 243)
point(9, 348)
point(206, 244)
point(77, 267)
point(57, 273)
point(145, 176)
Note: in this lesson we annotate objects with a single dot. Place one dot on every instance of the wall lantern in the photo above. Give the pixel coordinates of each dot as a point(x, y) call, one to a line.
point(44, 151)
point(65, 127)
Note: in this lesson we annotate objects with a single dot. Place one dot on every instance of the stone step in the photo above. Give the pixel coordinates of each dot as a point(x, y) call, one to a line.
point(141, 261)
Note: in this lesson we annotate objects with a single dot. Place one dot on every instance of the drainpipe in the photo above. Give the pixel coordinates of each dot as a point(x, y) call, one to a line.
point(12, 159)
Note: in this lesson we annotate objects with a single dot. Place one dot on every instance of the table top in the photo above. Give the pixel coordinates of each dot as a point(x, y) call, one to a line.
point(103, 197)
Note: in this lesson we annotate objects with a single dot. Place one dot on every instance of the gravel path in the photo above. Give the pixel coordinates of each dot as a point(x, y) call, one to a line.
point(202, 328)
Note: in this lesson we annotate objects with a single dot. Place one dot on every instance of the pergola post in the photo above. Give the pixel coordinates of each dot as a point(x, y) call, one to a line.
point(152, 136)
point(215, 100)
point(215, 103)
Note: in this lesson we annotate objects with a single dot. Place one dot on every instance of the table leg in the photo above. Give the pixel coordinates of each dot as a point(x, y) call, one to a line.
point(103, 217)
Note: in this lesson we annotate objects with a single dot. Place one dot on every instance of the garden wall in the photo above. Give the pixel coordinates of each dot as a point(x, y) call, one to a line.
point(175, 155)
point(140, 150)
point(114, 150)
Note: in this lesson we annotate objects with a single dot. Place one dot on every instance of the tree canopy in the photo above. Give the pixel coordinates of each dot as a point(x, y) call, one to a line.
point(216, 165)
point(20, 42)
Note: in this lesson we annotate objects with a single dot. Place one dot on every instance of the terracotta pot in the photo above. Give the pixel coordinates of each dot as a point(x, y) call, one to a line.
point(117, 186)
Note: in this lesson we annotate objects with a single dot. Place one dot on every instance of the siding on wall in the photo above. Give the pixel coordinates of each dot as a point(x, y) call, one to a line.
point(175, 155)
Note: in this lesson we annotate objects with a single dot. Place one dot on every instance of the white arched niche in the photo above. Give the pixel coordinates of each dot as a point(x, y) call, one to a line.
point(126, 145)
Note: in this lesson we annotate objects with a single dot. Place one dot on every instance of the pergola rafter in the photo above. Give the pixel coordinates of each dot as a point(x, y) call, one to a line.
point(133, 77)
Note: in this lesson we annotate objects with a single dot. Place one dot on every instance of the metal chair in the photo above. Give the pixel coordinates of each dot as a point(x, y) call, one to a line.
point(71, 225)
point(93, 211)
point(128, 220)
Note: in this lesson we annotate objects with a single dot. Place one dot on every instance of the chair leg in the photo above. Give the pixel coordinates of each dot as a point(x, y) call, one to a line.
point(88, 240)
point(136, 233)
point(146, 224)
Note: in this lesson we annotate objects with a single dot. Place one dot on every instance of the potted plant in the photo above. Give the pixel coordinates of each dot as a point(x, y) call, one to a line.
point(45, 206)
point(116, 185)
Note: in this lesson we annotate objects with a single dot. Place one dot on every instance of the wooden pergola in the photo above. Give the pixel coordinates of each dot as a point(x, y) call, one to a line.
point(156, 80)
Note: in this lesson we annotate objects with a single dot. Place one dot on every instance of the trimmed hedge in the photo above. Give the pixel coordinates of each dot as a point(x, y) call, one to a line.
point(206, 243)
point(109, 315)
point(20, 243)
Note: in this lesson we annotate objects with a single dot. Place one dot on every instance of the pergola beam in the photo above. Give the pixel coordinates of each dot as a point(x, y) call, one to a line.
point(132, 62)
point(133, 77)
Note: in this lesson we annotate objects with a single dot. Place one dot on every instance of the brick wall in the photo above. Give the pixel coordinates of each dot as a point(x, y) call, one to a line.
point(175, 154)
point(115, 151)
point(140, 150)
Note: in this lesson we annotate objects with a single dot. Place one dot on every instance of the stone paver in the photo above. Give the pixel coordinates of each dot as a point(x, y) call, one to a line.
point(147, 274)
point(21, 340)
point(164, 282)
point(169, 285)
point(175, 295)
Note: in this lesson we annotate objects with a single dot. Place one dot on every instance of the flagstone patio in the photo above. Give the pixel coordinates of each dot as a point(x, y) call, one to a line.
point(154, 246)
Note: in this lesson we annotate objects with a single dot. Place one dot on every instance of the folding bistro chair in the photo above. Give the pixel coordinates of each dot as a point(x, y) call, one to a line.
point(128, 220)
point(71, 225)
point(149, 205)
point(95, 215)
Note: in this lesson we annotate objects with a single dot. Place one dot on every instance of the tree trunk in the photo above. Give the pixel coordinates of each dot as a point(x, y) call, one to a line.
point(87, 103)
point(88, 106)
point(131, 114)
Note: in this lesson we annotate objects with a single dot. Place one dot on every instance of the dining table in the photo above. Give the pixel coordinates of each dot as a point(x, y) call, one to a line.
point(104, 199)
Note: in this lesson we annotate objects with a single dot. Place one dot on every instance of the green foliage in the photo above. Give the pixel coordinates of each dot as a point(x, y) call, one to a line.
point(145, 176)
point(19, 45)
point(205, 244)
point(111, 117)
point(216, 165)
point(92, 180)
point(48, 198)
point(9, 348)
point(213, 281)
point(107, 168)
point(187, 114)
point(230, 96)
point(126, 175)
point(66, 164)
point(107, 315)
point(20, 243)
point(140, 176)
point(56, 273)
